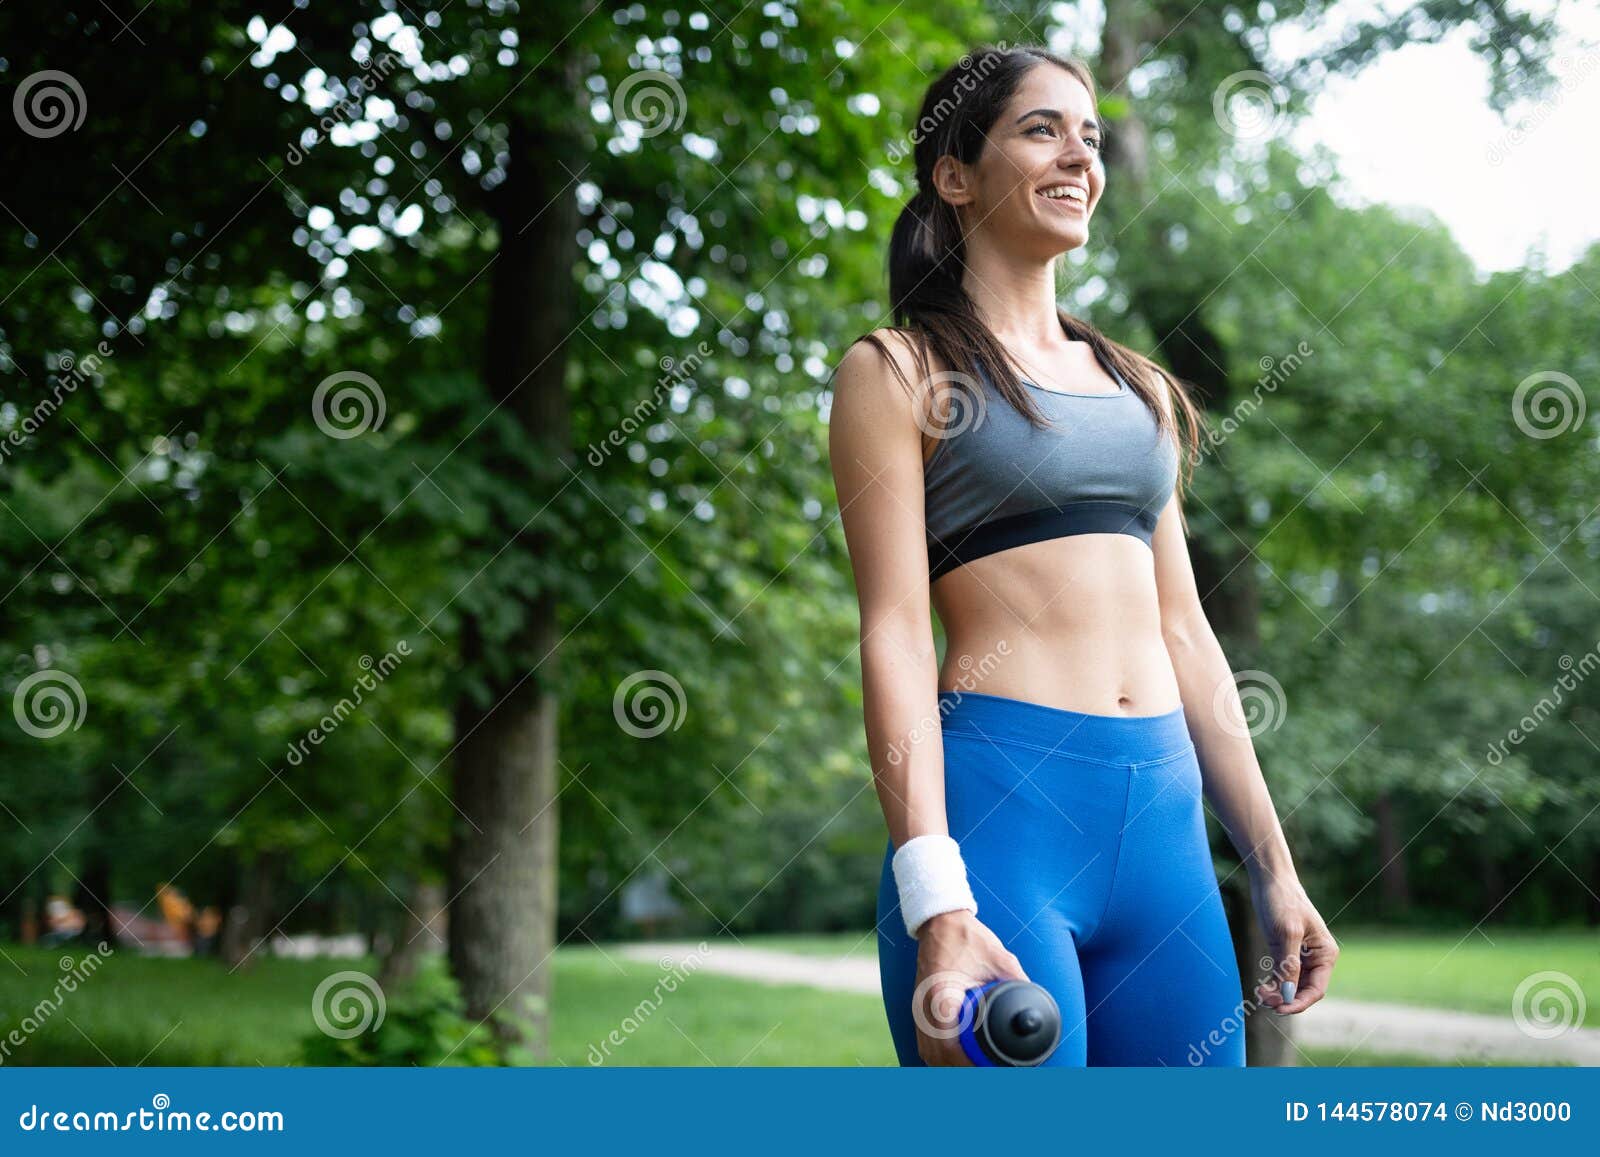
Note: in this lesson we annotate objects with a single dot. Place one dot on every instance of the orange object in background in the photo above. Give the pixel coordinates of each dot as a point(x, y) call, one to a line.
point(208, 922)
point(175, 907)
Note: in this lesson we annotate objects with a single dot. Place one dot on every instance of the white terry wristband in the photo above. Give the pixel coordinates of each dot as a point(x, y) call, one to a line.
point(932, 878)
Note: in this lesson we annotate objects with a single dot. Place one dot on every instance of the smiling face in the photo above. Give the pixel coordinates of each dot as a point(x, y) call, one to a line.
point(1035, 185)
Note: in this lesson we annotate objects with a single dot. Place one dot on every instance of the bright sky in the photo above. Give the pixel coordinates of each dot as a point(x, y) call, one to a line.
point(1416, 129)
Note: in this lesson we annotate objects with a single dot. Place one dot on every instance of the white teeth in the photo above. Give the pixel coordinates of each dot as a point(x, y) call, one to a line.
point(1070, 191)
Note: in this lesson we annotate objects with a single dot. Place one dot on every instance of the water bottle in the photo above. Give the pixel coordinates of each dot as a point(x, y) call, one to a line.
point(1009, 1024)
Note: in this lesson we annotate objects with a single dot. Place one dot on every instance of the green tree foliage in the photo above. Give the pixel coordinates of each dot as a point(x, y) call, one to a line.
point(248, 211)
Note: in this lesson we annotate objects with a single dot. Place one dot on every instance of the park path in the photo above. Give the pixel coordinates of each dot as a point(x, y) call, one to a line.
point(1330, 1023)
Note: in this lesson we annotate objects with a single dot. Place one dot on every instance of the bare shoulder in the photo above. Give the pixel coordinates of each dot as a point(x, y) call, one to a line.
point(885, 356)
point(875, 448)
point(883, 381)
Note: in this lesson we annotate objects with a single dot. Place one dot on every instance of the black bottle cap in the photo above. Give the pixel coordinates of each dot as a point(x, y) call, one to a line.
point(1019, 1024)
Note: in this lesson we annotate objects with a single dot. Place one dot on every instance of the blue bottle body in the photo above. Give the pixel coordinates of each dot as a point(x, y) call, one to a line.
point(1022, 1004)
point(970, 1003)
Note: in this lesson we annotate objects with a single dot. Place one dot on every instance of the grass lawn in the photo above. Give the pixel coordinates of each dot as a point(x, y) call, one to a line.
point(1469, 972)
point(192, 1012)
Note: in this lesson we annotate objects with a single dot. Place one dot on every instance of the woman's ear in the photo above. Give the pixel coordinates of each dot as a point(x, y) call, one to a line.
point(953, 180)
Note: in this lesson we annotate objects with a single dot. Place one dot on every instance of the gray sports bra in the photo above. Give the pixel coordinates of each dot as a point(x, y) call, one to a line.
point(995, 481)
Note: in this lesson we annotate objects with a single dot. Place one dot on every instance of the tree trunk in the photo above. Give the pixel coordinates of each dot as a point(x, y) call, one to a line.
point(28, 919)
point(1268, 1037)
point(503, 847)
point(1395, 884)
point(1225, 575)
point(1494, 884)
point(421, 935)
point(93, 894)
point(1128, 147)
point(247, 921)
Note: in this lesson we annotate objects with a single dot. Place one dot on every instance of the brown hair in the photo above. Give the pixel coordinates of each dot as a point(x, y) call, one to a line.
point(926, 247)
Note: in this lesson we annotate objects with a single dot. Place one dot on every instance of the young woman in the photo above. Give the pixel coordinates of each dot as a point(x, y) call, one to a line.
point(1008, 463)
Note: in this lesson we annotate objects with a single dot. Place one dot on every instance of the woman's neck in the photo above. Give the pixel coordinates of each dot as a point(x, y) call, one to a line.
point(1016, 300)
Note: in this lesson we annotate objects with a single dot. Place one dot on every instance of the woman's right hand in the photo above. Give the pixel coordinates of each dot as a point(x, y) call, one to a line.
point(954, 953)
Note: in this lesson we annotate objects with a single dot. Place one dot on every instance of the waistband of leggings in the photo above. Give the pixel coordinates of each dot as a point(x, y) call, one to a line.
point(1109, 738)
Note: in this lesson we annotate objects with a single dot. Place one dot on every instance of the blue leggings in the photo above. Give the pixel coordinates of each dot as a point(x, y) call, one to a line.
point(1085, 843)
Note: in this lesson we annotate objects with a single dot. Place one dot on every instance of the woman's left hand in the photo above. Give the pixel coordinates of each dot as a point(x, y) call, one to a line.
point(1302, 947)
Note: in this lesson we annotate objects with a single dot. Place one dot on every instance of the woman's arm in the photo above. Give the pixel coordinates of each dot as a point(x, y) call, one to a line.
point(1234, 783)
point(875, 445)
point(1301, 943)
point(875, 448)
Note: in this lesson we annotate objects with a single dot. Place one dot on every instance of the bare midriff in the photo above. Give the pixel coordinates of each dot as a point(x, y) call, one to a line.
point(1072, 623)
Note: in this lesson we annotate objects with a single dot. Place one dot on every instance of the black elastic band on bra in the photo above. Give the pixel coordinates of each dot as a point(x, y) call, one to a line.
point(1090, 516)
